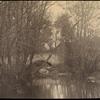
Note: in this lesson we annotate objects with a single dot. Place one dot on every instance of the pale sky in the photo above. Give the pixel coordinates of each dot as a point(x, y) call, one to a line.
point(57, 10)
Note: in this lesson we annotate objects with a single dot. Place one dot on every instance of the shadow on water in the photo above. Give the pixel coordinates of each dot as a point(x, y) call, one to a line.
point(53, 88)
point(60, 87)
point(49, 88)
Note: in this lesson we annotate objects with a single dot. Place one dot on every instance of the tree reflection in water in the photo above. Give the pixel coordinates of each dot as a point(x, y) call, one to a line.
point(49, 88)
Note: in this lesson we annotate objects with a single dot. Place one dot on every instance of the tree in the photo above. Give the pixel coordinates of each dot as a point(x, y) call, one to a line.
point(79, 51)
point(85, 12)
point(65, 26)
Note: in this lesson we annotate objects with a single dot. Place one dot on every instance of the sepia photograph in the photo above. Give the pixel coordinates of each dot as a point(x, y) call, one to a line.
point(49, 49)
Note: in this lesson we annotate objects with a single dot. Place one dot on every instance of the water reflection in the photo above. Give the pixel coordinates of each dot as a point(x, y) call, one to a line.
point(49, 88)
